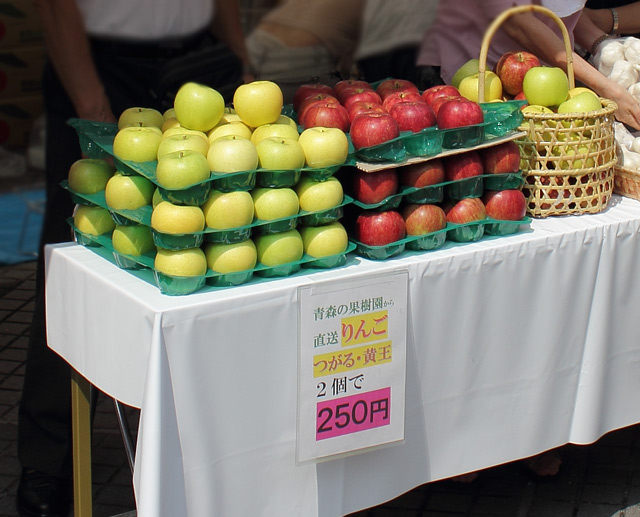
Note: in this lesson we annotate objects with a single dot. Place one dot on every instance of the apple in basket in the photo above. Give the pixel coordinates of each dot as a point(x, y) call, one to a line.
point(512, 67)
point(375, 228)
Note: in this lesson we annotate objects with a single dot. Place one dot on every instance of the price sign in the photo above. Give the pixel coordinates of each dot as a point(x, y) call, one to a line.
point(351, 365)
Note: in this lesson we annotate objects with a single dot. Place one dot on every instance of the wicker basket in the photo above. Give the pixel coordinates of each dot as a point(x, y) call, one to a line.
point(568, 159)
point(627, 182)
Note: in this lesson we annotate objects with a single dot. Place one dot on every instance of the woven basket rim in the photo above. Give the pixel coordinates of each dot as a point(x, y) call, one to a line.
point(609, 107)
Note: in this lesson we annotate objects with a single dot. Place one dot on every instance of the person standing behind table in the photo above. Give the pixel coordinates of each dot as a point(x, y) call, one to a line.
point(303, 41)
point(103, 57)
point(390, 38)
point(459, 28)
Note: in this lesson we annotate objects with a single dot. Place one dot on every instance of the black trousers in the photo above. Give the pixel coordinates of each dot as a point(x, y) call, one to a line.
point(146, 76)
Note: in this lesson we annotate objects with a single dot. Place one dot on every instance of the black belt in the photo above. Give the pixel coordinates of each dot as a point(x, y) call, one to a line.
point(156, 49)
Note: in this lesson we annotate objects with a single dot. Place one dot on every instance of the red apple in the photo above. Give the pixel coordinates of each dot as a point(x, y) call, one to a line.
point(375, 228)
point(348, 83)
point(355, 108)
point(463, 165)
point(318, 97)
point(511, 69)
point(325, 114)
point(439, 101)
point(422, 174)
point(413, 116)
point(351, 95)
point(439, 90)
point(501, 159)
point(400, 96)
point(368, 129)
point(505, 205)
point(423, 219)
point(459, 112)
point(373, 187)
point(394, 85)
point(466, 210)
point(307, 90)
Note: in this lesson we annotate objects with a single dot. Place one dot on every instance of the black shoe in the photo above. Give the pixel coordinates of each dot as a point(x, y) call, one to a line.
point(41, 495)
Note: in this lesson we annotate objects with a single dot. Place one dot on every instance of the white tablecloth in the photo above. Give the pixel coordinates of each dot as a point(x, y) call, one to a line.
point(515, 345)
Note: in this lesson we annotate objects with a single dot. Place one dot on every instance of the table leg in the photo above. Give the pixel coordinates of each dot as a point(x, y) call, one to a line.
point(81, 415)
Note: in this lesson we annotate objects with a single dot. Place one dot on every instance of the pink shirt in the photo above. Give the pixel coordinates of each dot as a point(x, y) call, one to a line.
point(457, 32)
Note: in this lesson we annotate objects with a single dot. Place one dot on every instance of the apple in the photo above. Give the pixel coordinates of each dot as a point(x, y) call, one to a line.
point(235, 128)
point(170, 123)
point(137, 116)
point(345, 84)
point(324, 147)
point(501, 159)
point(439, 90)
point(182, 169)
point(93, 220)
point(279, 248)
point(174, 219)
point(540, 110)
point(422, 174)
point(232, 153)
point(325, 114)
point(315, 195)
point(258, 102)
point(469, 87)
point(389, 86)
point(369, 129)
point(373, 187)
point(512, 67)
point(275, 130)
point(440, 100)
point(520, 97)
point(580, 89)
point(137, 143)
point(169, 113)
point(580, 103)
point(324, 241)
point(463, 165)
point(225, 210)
point(286, 119)
point(132, 239)
point(506, 205)
point(360, 94)
point(231, 257)
point(128, 192)
point(182, 142)
point(468, 68)
point(401, 96)
point(375, 228)
point(275, 203)
point(413, 116)
point(358, 107)
point(309, 89)
point(466, 210)
point(313, 99)
point(420, 219)
point(459, 112)
point(276, 153)
point(198, 106)
point(580, 157)
point(187, 263)
point(89, 175)
point(545, 85)
point(179, 130)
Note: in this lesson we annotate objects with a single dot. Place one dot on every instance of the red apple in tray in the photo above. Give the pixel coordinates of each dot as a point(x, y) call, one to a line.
point(308, 90)
point(466, 210)
point(439, 90)
point(421, 219)
point(352, 95)
point(501, 159)
point(463, 165)
point(422, 174)
point(402, 96)
point(375, 228)
point(413, 116)
point(325, 114)
point(459, 112)
point(389, 86)
point(374, 187)
point(369, 129)
point(355, 108)
point(505, 205)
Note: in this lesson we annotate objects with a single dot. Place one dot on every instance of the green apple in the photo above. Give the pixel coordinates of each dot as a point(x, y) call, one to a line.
point(128, 192)
point(137, 144)
point(181, 169)
point(315, 195)
point(258, 102)
point(231, 258)
point(579, 158)
point(275, 249)
point(133, 239)
point(492, 87)
point(580, 89)
point(545, 85)
point(324, 146)
point(177, 219)
point(279, 154)
point(169, 123)
point(236, 128)
point(324, 241)
point(93, 220)
point(89, 175)
point(467, 69)
point(275, 203)
point(580, 103)
point(225, 210)
point(169, 113)
point(179, 130)
point(232, 153)
point(188, 262)
point(275, 130)
point(181, 142)
point(198, 106)
point(140, 117)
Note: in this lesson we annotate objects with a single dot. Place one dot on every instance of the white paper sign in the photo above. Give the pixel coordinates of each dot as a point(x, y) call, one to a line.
point(352, 365)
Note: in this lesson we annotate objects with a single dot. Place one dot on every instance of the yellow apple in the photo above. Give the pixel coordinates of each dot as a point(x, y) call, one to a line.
point(93, 220)
point(274, 203)
point(324, 241)
point(315, 195)
point(231, 258)
point(136, 116)
point(580, 103)
point(181, 169)
point(467, 69)
point(258, 102)
point(169, 113)
point(284, 119)
point(169, 124)
point(179, 130)
point(324, 147)
point(134, 239)
point(188, 262)
point(198, 106)
point(492, 87)
point(232, 153)
point(225, 210)
point(275, 153)
point(229, 116)
point(177, 219)
point(237, 128)
point(275, 130)
point(275, 249)
point(137, 144)
point(128, 192)
point(182, 142)
point(580, 89)
point(89, 175)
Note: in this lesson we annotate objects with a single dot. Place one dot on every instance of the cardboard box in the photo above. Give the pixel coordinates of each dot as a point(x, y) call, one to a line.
point(17, 116)
point(19, 24)
point(21, 71)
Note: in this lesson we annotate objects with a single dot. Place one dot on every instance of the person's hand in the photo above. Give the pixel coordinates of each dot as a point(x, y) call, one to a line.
point(628, 111)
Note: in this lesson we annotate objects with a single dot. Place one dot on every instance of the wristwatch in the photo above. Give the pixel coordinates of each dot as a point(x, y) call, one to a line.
point(614, 14)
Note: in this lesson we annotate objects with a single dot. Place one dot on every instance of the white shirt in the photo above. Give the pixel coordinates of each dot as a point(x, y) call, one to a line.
point(145, 19)
point(564, 8)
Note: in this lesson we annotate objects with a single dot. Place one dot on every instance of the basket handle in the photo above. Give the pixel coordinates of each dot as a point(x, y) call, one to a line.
point(491, 30)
